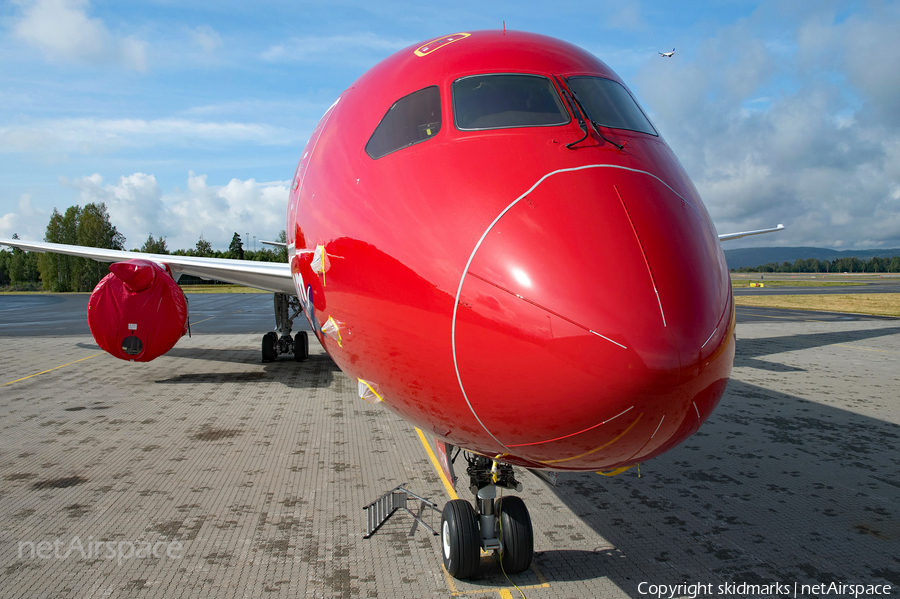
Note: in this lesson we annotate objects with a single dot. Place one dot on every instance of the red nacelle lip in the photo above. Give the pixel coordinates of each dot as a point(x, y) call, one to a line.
point(602, 360)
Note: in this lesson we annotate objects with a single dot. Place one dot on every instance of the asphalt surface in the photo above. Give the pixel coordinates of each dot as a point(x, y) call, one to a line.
point(61, 314)
point(815, 290)
point(232, 313)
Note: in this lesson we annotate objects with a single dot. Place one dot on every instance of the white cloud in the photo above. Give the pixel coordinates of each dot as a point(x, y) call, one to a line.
point(820, 155)
point(135, 203)
point(102, 135)
point(206, 38)
point(138, 207)
point(64, 32)
point(624, 15)
point(25, 220)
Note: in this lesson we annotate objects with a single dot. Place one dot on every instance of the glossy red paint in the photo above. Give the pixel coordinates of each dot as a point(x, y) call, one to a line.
point(563, 308)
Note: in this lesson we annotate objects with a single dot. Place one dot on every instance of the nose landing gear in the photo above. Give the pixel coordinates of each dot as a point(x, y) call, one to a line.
point(279, 341)
point(501, 524)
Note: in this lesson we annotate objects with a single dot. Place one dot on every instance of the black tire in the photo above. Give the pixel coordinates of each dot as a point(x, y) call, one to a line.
point(301, 347)
point(460, 539)
point(268, 346)
point(516, 534)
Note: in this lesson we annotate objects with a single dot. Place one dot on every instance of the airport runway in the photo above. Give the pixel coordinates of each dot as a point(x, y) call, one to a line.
point(254, 475)
point(230, 313)
point(841, 289)
point(64, 313)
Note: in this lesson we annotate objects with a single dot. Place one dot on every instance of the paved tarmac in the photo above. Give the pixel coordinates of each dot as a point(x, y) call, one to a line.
point(230, 313)
point(65, 313)
point(840, 289)
point(252, 476)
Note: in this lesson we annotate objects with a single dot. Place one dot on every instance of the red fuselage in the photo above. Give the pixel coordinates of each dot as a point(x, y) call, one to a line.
point(563, 307)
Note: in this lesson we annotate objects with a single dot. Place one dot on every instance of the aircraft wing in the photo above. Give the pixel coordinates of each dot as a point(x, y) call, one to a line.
point(269, 276)
point(730, 236)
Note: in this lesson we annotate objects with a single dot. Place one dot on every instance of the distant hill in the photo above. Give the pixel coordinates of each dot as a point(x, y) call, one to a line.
point(756, 256)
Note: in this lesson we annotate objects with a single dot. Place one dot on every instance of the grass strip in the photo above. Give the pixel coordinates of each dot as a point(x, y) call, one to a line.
point(877, 304)
point(220, 289)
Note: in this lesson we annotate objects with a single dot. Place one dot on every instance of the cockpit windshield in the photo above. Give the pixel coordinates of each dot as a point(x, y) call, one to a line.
point(501, 101)
point(412, 119)
point(609, 104)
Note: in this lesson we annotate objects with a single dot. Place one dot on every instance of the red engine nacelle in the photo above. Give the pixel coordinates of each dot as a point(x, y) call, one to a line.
point(137, 312)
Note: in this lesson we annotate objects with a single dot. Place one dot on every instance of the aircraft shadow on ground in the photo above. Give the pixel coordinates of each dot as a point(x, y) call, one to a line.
point(211, 354)
point(773, 488)
point(748, 350)
point(318, 371)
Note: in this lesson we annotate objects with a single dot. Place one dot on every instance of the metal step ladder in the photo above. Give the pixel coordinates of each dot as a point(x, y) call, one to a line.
point(378, 512)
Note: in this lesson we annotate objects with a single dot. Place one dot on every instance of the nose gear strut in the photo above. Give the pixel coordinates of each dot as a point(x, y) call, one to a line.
point(501, 525)
point(279, 341)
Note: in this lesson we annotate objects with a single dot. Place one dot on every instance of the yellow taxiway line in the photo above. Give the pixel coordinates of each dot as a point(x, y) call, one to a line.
point(881, 351)
point(504, 592)
point(50, 370)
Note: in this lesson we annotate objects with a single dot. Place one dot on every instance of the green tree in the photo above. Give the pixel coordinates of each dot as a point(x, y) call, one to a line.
point(89, 226)
point(23, 266)
point(4, 267)
point(203, 248)
point(894, 265)
point(281, 254)
point(49, 264)
point(95, 230)
point(236, 249)
point(60, 272)
point(68, 233)
point(155, 246)
point(876, 264)
point(14, 265)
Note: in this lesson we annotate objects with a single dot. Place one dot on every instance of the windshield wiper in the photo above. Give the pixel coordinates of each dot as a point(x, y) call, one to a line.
point(576, 112)
point(590, 120)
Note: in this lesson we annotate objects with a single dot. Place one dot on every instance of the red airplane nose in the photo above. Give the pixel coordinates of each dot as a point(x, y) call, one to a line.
point(606, 358)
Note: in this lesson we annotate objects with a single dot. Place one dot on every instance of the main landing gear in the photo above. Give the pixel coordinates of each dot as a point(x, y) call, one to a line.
point(279, 341)
point(501, 524)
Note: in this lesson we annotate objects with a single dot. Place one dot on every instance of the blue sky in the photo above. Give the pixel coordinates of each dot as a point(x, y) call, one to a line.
point(188, 118)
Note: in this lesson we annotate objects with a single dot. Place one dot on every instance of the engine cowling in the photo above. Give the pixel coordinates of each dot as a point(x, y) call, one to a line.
point(137, 312)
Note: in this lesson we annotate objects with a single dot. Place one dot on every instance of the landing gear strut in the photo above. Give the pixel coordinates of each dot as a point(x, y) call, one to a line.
point(279, 341)
point(501, 524)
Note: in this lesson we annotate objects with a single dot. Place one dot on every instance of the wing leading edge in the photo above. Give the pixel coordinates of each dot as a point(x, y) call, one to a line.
point(268, 276)
point(730, 236)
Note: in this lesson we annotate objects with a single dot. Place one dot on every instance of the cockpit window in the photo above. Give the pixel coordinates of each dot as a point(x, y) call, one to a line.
point(504, 101)
point(412, 119)
point(609, 104)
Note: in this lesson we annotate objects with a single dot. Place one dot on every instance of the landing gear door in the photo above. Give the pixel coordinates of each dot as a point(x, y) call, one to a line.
point(444, 451)
point(548, 476)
